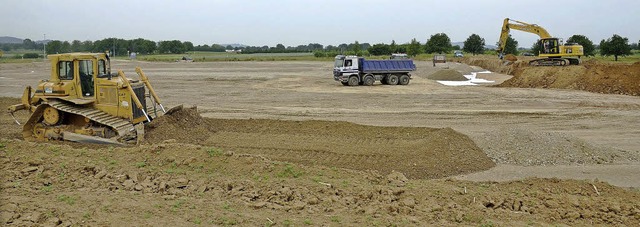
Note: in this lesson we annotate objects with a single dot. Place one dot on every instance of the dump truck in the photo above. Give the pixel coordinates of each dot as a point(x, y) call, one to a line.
point(84, 101)
point(354, 70)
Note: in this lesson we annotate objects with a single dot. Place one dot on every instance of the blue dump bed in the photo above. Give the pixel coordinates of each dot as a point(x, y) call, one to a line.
point(383, 66)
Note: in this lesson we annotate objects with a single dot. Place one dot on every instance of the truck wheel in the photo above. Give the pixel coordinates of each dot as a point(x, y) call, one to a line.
point(384, 80)
point(368, 80)
point(345, 83)
point(392, 80)
point(353, 81)
point(404, 80)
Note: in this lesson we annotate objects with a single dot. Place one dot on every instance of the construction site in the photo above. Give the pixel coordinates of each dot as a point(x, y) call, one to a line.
point(280, 144)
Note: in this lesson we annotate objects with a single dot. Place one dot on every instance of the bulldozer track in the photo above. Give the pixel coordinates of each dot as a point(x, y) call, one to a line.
point(121, 126)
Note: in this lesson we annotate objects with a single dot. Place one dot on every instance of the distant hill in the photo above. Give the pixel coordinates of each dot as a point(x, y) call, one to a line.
point(9, 39)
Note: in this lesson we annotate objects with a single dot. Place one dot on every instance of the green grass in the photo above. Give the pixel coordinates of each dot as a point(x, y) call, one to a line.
point(202, 56)
point(67, 199)
point(290, 171)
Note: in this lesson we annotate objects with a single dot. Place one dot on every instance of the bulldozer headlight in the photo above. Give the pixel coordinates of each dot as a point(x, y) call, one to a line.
point(48, 90)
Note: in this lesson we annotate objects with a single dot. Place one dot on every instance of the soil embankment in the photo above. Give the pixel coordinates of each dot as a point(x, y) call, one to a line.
point(592, 76)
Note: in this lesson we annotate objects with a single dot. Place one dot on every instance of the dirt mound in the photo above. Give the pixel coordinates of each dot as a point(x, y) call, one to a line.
point(510, 57)
point(447, 74)
point(591, 75)
point(506, 146)
point(418, 153)
point(181, 184)
point(185, 126)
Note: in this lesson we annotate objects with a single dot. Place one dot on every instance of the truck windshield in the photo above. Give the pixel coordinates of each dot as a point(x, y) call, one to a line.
point(339, 63)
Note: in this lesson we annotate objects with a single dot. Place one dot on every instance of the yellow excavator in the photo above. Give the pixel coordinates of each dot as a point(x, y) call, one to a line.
point(555, 53)
point(83, 101)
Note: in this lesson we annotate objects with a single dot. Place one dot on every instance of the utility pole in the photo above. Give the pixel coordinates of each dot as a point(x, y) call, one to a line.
point(44, 48)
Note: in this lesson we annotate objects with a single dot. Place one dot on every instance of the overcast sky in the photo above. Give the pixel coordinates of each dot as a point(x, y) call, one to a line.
point(328, 22)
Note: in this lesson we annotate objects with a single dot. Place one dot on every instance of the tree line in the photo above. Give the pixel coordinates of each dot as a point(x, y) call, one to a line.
point(436, 43)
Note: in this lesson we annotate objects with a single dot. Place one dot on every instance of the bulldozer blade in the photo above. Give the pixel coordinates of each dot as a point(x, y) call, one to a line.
point(174, 109)
point(70, 136)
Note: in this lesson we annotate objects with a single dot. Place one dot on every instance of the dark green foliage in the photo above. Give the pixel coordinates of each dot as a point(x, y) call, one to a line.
point(616, 46)
point(536, 48)
point(438, 43)
point(380, 49)
point(588, 47)
point(31, 55)
point(474, 44)
point(413, 48)
point(511, 47)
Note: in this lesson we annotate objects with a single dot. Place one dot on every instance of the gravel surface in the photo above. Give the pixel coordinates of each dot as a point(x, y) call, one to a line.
point(520, 146)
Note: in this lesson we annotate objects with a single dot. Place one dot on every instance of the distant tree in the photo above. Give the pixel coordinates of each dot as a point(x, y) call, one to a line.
point(438, 43)
point(474, 44)
point(76, 46)
point(588, 48)
point(380, 49)
point(143, 46)
point(28, 44)
point(634, 46)
point(356, 48)
point(393, 47)
point(280, 48)
point(616, 46)
point(87, 45)
point(54, 47)
point(414, 48)
point(173, 47)
point(456, 47)
point(511, 46)
point(536, 48)
point(188, 46)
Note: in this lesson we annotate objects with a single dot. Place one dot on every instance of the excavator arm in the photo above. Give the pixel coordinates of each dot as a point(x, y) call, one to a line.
point(509, 24)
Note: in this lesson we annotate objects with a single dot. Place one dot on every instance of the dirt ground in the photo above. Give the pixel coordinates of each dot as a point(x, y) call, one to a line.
point(282, 144)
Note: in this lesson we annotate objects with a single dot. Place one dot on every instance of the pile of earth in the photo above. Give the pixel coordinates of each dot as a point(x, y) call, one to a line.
point(592, 76)
point(183, 184)
point(506, 146)
point(184, 125)
point(418, 153)
point(448, 75)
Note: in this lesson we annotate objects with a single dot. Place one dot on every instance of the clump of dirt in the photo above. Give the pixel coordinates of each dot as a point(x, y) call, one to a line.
point(510, 57)
point(183, 184)
point(447, 74)
point(507, 146)
point(184, 126)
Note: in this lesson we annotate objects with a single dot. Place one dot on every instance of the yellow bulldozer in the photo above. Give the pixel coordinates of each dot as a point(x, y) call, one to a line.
point(84, 101)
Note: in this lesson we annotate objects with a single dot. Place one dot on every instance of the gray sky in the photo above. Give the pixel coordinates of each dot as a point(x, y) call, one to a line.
point(328, 22)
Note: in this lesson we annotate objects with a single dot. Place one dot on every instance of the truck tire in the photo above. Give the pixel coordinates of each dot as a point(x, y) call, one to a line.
point(384, 80)
point(392, 79)
point(353, 81)
point(404, 79)
point(368, 80)
point(345, 83)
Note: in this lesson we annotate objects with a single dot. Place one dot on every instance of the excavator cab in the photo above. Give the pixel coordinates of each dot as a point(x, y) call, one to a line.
point(549, 46)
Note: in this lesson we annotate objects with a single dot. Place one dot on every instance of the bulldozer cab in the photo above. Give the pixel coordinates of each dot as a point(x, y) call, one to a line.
point(78, 72)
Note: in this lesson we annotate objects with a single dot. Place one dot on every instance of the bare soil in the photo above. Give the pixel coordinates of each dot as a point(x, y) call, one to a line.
point(281, 143)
